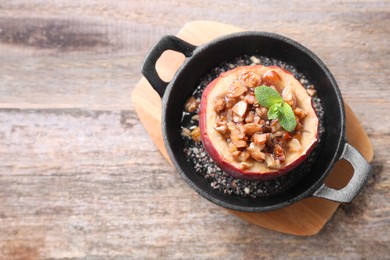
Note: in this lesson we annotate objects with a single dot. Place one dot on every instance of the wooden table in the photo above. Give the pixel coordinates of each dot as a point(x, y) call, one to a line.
point(79, 176)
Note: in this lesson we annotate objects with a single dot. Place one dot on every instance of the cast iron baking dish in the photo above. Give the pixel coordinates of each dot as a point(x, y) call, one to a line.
point(200, 59)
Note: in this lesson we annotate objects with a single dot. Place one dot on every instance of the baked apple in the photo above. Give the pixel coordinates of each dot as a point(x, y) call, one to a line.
point(239, 133)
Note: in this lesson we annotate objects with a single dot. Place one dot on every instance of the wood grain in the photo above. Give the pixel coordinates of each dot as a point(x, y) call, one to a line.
point(74, 181)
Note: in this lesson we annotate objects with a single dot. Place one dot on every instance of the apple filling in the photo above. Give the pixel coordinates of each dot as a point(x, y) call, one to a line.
point(237, 132)
point(246, 128)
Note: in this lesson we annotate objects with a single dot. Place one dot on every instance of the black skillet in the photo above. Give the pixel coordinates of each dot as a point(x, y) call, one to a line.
point(200, 59)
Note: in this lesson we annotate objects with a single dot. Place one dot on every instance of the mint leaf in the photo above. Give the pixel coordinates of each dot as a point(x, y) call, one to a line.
point(273, 111)
point(277, 108)
point(267, 96)
point(286, 117)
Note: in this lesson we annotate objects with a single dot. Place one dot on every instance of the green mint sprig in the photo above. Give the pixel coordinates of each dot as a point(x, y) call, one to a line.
point(277, 108)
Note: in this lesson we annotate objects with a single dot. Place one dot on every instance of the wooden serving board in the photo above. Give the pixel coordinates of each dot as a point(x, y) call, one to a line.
point(304, 218)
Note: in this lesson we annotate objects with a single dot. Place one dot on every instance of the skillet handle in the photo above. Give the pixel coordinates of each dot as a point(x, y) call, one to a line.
point(362, 170)
point(167, 42)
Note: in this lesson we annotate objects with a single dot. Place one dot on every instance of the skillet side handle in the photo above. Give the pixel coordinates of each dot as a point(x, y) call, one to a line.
point(362, 170)
point(167, 42)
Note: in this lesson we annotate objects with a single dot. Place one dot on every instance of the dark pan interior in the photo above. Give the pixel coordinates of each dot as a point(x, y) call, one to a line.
point(273, 46)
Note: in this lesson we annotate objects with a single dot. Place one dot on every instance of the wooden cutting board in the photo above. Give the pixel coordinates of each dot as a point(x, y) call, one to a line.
point(304, 218)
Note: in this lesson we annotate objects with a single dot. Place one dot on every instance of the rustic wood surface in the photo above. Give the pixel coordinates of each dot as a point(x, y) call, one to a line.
point(79, 176)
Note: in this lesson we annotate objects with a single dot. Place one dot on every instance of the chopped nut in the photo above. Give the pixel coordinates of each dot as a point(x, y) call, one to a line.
point(245, 165)
point(236, 89)
point(186, 132)
point(278, 152)
point(250, 98)
point(237, 119)
point(191, 105)
point(240, 143)
point(222, 118)
point(256, 119)
point(232, 148)
point(279, 133)
point(235, 131)
point(260, 139)
point(242, 130)
point(275, 126)
point(240, 108)
point(250, 78)
point(236, 155)
point(232, 127)
point(271, 162)
point(195, 134)
point(255, 60)
point(221, 127)
point(219, 104)
point(294, 145)
point(255, 151)
point(289, 97)
point(271, 77)
point(249, 117)
point(300, 113)
point(262, 112)
point(251, 128)
point(244, 156)
point(230, 102)
point(241, 156)
point(229, 115)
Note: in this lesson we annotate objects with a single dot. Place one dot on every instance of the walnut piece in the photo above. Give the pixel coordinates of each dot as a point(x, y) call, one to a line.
point(195, 134)
point(252, 128)
point(244, 123)
point(250, 79)
point(191, 105)
point(236, 89)
point(240, 108)
point(219, 104)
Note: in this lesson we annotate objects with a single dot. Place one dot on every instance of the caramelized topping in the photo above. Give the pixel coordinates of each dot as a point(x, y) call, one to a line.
point(236, 89)
point(244, 123)
point(271, 78)
point(191, 105)
point(250, 79)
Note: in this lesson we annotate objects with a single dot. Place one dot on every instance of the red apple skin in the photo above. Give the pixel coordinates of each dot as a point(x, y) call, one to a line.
point(227, 166)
